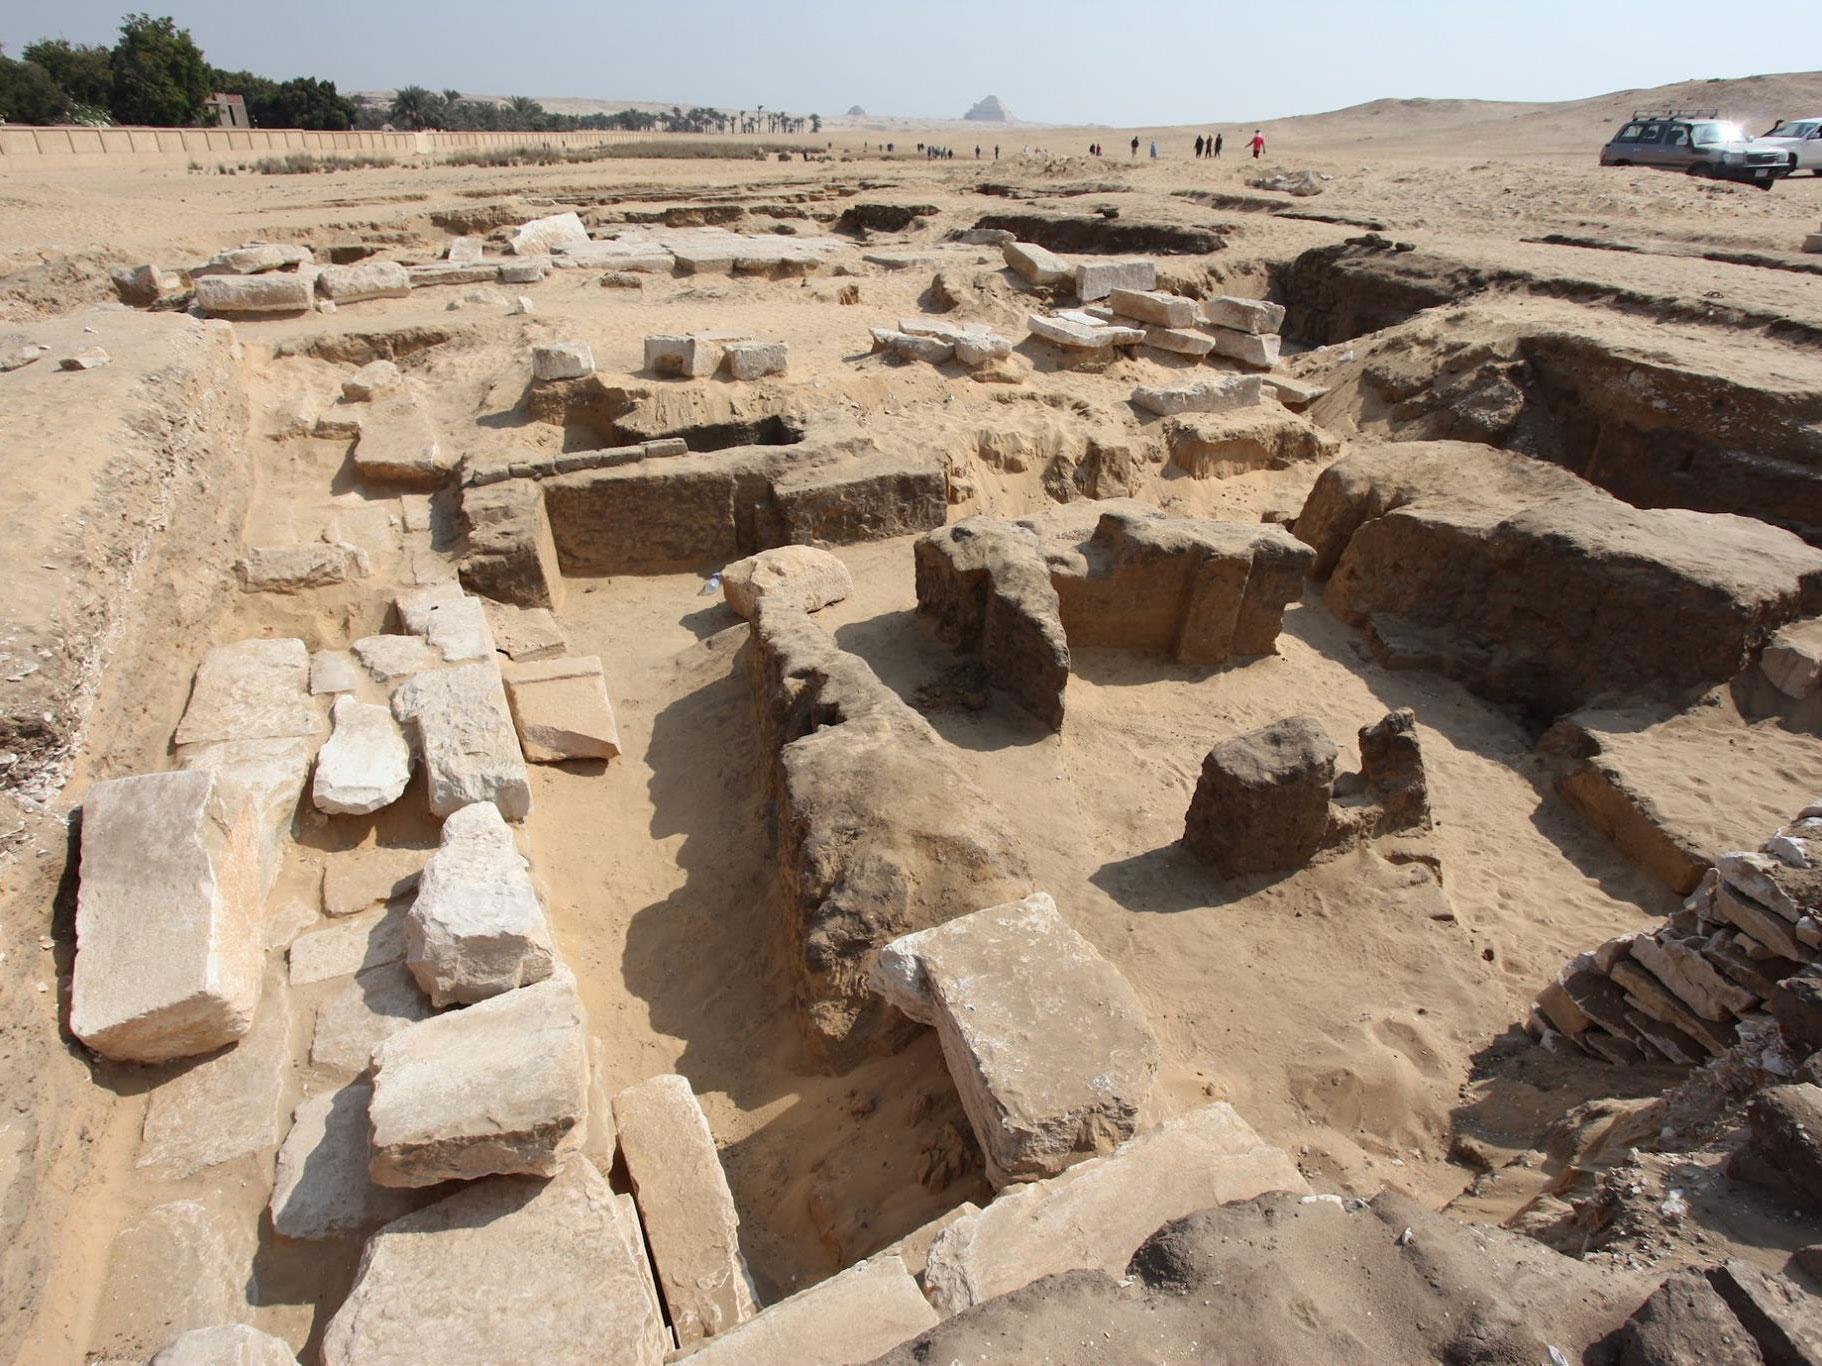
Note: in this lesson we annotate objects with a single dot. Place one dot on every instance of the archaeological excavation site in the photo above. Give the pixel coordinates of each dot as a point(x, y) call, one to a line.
point(801, 761)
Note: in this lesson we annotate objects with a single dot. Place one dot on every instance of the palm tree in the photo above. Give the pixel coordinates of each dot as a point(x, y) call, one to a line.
point(452, 96)
point(414, 107)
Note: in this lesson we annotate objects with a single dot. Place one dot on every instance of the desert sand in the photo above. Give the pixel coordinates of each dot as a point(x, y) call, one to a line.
point(1364, 1014)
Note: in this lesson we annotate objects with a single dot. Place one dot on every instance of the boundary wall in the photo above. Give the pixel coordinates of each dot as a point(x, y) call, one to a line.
point(27, 148)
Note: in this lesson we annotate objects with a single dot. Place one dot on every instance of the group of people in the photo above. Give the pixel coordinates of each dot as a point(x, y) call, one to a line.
point(1206, 146)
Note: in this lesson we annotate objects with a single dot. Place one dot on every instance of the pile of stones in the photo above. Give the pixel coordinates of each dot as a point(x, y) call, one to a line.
point(1738, 959)
point(934, 341)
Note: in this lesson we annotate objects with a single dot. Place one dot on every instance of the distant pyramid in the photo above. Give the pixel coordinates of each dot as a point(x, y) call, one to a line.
point(989, 110)
point(856, 112)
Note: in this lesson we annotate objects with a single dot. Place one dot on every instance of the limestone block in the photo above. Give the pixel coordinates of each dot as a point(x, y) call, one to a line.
point(1247, 348)
point(349, 946)
point(1227, 394)
point(369, 1009)
point(462, 250)
point(1688, 976)
point(524, 272)
point(754, 360)
point(227, 1105)
point(357, 879)
point(1793, 659)
point(179, 1266)
point(143, 286)
point(254, 257)
point(263, 777)
point(365, 764)
point(1098, 279)
point(512, 556)
point(232, 1344)
point(331, 672)
point(1082, 336)
point(251, 690)
point(323, 1189)
point(562, 709)
point(685, 1207)
point(501, 1087)
point(389, 658)
point(453, 273)
point(1046, 1042)
point(232, 295)
point(168, 912)
point(562, 360)
point(1179, 341)
point(799, 576)
point(910, 347)
point(914, 1248)
point(453, 622)
point(1258, 316)
point(544, 235)
point(1153, 306)
point(1262, 802)
point(506, 1270)
point(397, 447)
point(89, 358)
point(696, 356)
point(857, 1315)
point(1095, 1214)
point(1295, 394)
point(465, 734)
point(524, 633)
point(366, 280)
point(977, 349)
point(1035, 264)
point(375, 379)
point(477, 928)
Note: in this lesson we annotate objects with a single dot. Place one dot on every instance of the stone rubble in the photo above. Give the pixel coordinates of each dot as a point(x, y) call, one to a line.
point(685, 1206)
point(500, 1087)
point(477, 928)
point(365, 765)
point(1046, 1042)
point(562, 709)
point(168, 912)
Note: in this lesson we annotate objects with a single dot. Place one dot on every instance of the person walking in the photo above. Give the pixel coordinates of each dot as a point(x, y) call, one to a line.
point(1216, 151)
point(1135, 147)
point(1258, 143)
point(1198, 147)
point(1154, 149)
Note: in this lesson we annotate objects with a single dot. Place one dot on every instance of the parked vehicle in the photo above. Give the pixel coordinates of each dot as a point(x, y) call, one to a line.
point(1802, 138)
point(1699, 143)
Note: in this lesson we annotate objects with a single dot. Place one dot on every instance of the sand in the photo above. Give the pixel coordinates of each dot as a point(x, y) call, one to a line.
point(1355, 1012)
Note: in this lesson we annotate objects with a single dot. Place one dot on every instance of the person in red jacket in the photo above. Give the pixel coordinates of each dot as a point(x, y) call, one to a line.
point(1258, 143)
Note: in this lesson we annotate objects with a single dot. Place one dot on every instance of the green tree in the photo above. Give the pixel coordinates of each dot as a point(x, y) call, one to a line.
point(302, 103)
point(417, 108)
point(159, 74)
point(816, 123)
point(85, 72)
point(29, 95)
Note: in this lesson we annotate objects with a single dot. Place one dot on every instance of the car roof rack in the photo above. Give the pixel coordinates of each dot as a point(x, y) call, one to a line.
point(1676, 114)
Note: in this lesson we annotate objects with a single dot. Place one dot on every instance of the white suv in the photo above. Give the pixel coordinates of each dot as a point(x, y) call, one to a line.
point(1802, 138)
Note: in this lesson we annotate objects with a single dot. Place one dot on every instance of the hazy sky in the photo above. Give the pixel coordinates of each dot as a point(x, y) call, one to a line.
point(1056, 61)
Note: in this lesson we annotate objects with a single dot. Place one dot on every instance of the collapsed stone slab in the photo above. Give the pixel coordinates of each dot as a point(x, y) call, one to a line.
point(477, 928)
point(369, 1009)
point(880, 831)
point(1223, 395)
point(251, 690)
point(365, 764)
point(375, 379)
point(229, 296)
point(294, 568)
point(1098, 279)
point(508, 1269)
point(1258, 316)
point(868, 1309)
point(234, 1344)
point(799, 576)
point(1531, 586)
point(264, 777)
point(1046, 1042)
point(1082, 334)
point(465, 733)
point(757, 359)
point(554, 232)
point(451, 622)
point(323, 1189)
point(685, 1207)
point(562, 360)
point(1036, 265)
point(180, 1265)
point(1219, 445)
point(367, 280)
point(1095, 1214)
point(500, 1087)
point(253, 258)
point(398, 448)
point(168, 919)
point(562, 709)
point(1152, 306)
